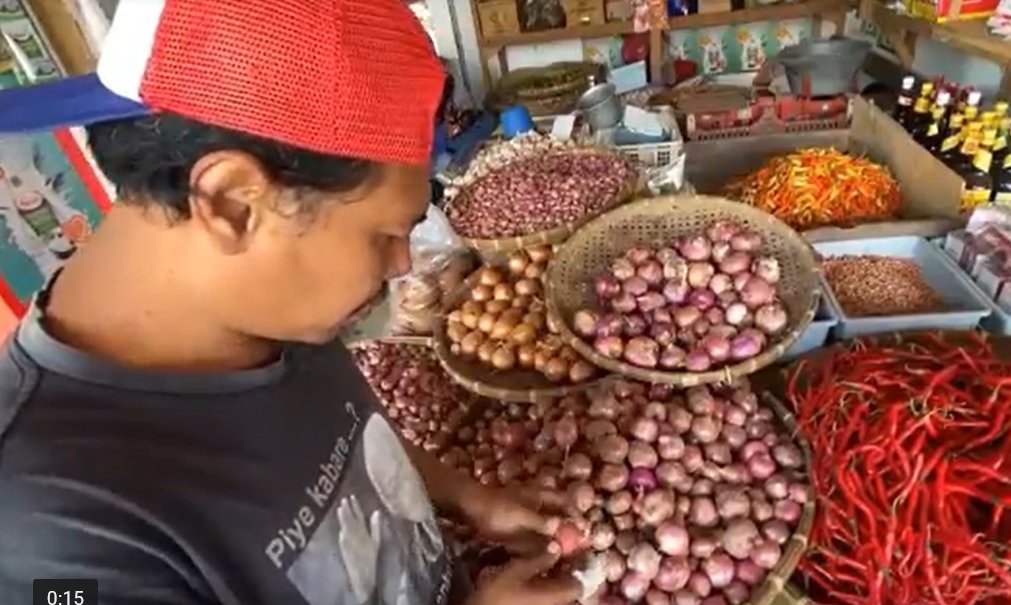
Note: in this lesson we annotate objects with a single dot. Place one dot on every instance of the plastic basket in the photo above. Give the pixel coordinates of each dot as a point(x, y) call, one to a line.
point(999, 320)
point(816, 334)
point(956, 289)
point(653, 154)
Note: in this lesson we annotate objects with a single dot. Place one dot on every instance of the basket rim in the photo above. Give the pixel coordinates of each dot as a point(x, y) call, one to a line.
point(686, 379)
point(440, 345)
point(418, 341)
point(560, 232)
point(778, 579)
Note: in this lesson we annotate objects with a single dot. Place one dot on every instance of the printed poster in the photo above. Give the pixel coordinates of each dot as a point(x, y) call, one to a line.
point(51, 197)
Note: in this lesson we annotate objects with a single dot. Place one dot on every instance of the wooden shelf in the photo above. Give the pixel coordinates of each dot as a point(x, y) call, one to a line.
point(553, 35)
point(966, 35)
point(776, 12)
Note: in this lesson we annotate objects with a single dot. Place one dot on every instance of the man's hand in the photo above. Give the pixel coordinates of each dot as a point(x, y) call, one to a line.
point(522, 521)
point(529, 582)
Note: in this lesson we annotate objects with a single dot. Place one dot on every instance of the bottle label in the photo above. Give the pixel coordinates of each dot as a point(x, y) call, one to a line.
point(905, 101)
point(933, 129)
point(1000, 143)
point(974, 196)
point(1007, 161)
point(1003, 197)
point(970, 146)
point(922, 105)
point(983, 160)
point(950, 143)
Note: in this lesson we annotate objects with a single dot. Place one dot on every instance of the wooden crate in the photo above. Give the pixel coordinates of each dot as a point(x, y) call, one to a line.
point(498, 17)
point(584, 12)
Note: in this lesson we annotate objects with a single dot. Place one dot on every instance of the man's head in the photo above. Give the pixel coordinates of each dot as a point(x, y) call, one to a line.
point(283, 147)
point(285, 243)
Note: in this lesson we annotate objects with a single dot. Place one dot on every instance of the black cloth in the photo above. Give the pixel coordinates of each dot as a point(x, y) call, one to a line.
point(275, 486)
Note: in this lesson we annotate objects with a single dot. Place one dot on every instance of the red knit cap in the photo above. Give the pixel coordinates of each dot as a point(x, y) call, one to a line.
point(347, 77)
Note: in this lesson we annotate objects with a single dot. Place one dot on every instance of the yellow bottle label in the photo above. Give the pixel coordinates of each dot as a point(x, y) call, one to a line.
point(937, 113)
point(926, 89)
point(1000, 108)
point(922, 105)
point(950, 143)
point(970, 146)
point(933, 129)
point(956, 121)
point(1000, 144)
point(974, 196)
point(1007, 161)
point(971, 113)
point(983, 160)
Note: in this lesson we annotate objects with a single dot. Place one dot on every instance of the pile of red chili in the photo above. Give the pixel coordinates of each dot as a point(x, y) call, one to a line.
point(911, 466)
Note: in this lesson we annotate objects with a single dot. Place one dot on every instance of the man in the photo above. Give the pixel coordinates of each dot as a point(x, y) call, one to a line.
point(157, 432)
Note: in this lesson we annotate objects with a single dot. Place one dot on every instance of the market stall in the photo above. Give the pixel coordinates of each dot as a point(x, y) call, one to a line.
point(792, 385)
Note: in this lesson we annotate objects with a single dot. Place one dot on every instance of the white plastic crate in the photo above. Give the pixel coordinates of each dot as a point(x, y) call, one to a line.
point(998, 321)
point(962, 297)
point(653, 154)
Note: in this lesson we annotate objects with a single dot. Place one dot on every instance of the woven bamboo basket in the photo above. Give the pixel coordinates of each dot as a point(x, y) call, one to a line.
point(791, 595)
point(771, 591)
point(539, 83)
point(520, 385)
point(419, 341)
point(494, 248)
point(659, 220)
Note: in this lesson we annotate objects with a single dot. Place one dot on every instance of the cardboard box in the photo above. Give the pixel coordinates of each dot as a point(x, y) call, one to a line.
point(950, 10)
point(584, 12)
point(498, 17)
point(930, 191)
point(707, 7)
point(618, 10)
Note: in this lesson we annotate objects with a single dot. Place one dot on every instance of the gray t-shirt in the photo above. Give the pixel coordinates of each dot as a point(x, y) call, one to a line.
point(275, 486)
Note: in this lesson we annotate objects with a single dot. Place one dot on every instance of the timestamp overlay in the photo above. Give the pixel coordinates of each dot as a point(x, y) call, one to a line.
point(65, 592)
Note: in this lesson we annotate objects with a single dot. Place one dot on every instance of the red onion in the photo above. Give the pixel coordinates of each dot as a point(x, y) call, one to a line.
point(651, 271)
point(645, 429)
point(692, 458)
point(666, 254)
point(698, 361)
point(662, 316)
point(642, 455)
point(766, 554)
point(703, 486)
point(680, 420)
point(705, 429)
point(722, 230)
point(702, 299)
point(650, 301)
point(577, 466)
point(736, 314)
point(745, 345)
point(671, 474)
point(670, 447)
point(686, 316)
point(594, 430)
point(720, 570)
point(718, 451)
point(623, 303)
point(703, 512)
point(720, 251)
point(639, 254)
point(607, 286)
point(776, 530)
point(672, 539)
point(642, 479)
point(746, 241)
point(657, 597)
point(609, 346)
point(798, 492)
point(686, 597)
point(635, 285)
point(622, 268)
point(612, 449)
point(672, 357)
point(612, 477)
point(733, 503)
point(581, 496)
point(752, 449)
point(739, 538)
point(643, 352)
point(675, 269)
point(699, 583)
point(735, 263)
point(766, 267)
point(664, 334)
point(634, 586)
point(655, 410)
point(761, 466)
point(585, 323)
point(699, 274)
point(749, 573)
point(788, 455)
point(566, 431)
point(737, 593)
point(761, 510)
point(720, 283)
point(673, 573)
point(716, 346)
point(771, 318)
point(715, 316)
point(614, 566)
point(626, 538)
point(694, 248)
point(757, 292)
point(735, 474)
point(703, 546)
point(644, 559)
point(787, 510)
point(619, 503)
point(610, 324)
point(633, 325)
point(655, 507)
point(602, 536)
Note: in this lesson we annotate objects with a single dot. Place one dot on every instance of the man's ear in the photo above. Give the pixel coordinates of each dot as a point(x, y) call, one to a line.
point(230, 193)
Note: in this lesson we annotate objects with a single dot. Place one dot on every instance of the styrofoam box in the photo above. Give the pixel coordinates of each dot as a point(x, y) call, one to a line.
point(962, 298)
point(816, 334)
point(999, 321)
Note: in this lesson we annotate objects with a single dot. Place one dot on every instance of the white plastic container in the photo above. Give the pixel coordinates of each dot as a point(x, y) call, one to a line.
point(965, 304)
point(816, 334)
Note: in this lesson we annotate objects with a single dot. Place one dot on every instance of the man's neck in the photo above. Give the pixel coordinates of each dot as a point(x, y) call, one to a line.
point(124, 297)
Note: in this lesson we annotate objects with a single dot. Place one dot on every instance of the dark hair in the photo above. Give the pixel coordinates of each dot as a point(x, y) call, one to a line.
point(150, 159)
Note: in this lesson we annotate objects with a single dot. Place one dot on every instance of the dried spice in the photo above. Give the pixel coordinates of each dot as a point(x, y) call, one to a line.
point(872, 285)
point(815, 187)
